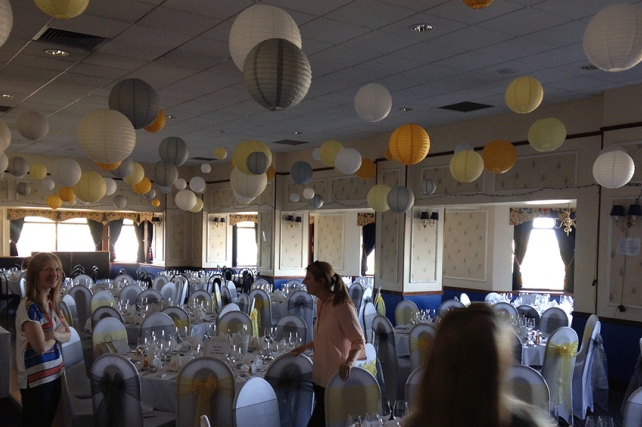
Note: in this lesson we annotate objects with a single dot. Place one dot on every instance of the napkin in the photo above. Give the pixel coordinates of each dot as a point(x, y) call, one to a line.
point(156, 363)
point(177, 363)
point(195, 340)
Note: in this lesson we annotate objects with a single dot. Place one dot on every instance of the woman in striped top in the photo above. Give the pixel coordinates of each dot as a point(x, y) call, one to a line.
point(40, 327)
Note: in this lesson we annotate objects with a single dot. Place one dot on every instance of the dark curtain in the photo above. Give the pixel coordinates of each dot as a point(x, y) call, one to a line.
point(96, 230)
point(520, 236)
point(150, 239)
point(14, 234)
point(369, 234)
point(234, 246)
point(567, 251)
point(140, 237)
point(114, 232)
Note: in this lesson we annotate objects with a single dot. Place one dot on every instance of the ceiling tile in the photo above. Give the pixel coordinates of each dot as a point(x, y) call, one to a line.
point(524, 21)
point(164, 18)
point(331, 31)
point(369, 14)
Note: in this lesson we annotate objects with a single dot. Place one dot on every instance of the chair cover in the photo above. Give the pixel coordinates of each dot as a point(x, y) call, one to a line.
point(216, 296)
point(243, 302)
point(529, 312)
point(291, 323)
point(557, 369)
point(230, 307)
point(448, 305)
point(590, 382)
point(152, 296)
point(370, 362)
point(82, 295)
point(633, 410)
point(228, 323)
point(205, 386)
point(256, 404)
point(105, 311)
point(493, 298)
point(264, 306)
point(205, 421)
point(73, 311)
point(358, 395)
point(101, 299)
point(356, 295)
point(129, 293)
point(528, 385)
point(214, 278)
point(182, 288)
point(465, 299)
point(517, 347)
point(294, 284)
point(412, 386)
point(76, 373)
point(301, 304)
point(421, 339)
point(159, 324)
point(552, 319)
point(369, 313)
point(126, 278)
point(64, 309)
point(83, 279)
point(291, 379)
point(76, 412)
point(505, 311)
point(179, 316)
point(259, 284)
point(232, 288)
point(109, 335)
point(203, 297)
point(405, 311)
point(169, 292)
point(226, 297)
point(387, 355)
point(159, 281)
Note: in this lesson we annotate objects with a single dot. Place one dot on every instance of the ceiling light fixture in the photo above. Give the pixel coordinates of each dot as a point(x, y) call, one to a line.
point(405, 109)
point(297, 133)
point(6, 95)
point(169, 116)
point(56, 52)
point(420, 28)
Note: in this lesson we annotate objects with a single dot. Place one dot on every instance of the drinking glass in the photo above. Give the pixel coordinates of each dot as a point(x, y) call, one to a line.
point(353, 421)
point(383, 411)
point(591, 421)
point(604, 421)
point(400, 410)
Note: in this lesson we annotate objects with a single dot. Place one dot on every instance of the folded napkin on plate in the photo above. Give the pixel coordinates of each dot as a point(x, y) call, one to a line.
point(177, 363)
point(156, 362)
point(132, 317)
point(254, 343)
point(195, 340)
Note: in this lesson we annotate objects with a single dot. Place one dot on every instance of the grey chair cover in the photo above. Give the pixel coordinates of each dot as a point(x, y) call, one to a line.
point(529, 312)
point(449, 305)
point(75, 368)
point(412, 385)
point(291, 379)
point(73, 311)
point(301, 304)
point(243, 302)
point(153, 297)
point(369, 313)
point(129, 293)
point(356, 295)
point(291, 323)
point(105, 311)
point(386, 346)
point(256, 404)
point(633, 410)
point(82, 296)
point(228, 323)
point(158, 323)
point(169, 291)
point(264, 306)
point(528, 385)
point(404, 312)
point(552, 319)
point(590, 379)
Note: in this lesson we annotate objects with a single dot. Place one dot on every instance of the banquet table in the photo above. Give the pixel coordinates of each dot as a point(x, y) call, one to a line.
point(533, 355)
point(14, 286)
point(402, 339)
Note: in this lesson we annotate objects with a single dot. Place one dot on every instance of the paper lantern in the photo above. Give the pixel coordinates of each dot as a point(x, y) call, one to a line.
point(258, 23)
point(308, 193)
point(165, 190)
point(18, 166)
point(367, 170)
point(48, 184)
point(388, 155)
point(377, 197)
point(463, 146)
point(316, 154)
point(6, 20)
point(155, 203)
point(294, 197)
point(125, 169)
point(185, 200)
point(428, 187)
point(613, 38)
point(547, 134)
point(499, 156)
point(328, 152)
point(477, 4)
point(119, 201)
point(23, 188)
point(257, 163)
point(466, 166)
point(165, 174)
point(157, 124)
point(136, 176)
point(277, 74)
point(248, 186)
point(613, 168)
point(37, 171)
point(106, 136)
point(347, 161)
point(66, 194)
point(110, 186)
point(5, 136)
point(62, 9)
point(400, 199)
point(66, 172)
point(373, 102)
point(271, 173)
point(33, 125)
point(54, 202)
point(150, 194)
point(173, 150)
point(108, 166)
point(220, 153)
point(197, 184)
point(409, 144)
point(524, 94)
point(137, 100)
point(143, 186)
point(301, 172)
point(198, 206)
point(206, 168)
point(180, 184)
point(4, 162)
point(242, 200)
point(316, 201)
point(91, 187)
point(244, 149)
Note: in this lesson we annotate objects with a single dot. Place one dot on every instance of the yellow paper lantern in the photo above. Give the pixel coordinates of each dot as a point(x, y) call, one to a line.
point(243, 150)
point(477, 4)
point(54, 202)
point(547, 134)
point(91, 187)
point(524, 94)
point(409, 144)
point(37, 171)
point(62, 9)
point(271, 173)
point(466, 166)
point(388, 155)
point(157, 124)
point(499, 156)
point(220, 153)
point(233, 165)
point(66, 194)
point(136, 176)
point(143, 186)
point(198, 207)
point(108, 166)
point(328, 152)
point(367, 170)
point(377, 197)
point(155, 203)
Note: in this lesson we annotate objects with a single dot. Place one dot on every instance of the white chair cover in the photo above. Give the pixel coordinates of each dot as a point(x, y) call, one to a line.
point(169, 291)
point(158, 323)
point(75, 368)
point(178, 315)
point(505, 311)
point(260, 284)
point(369, 313)
point(216, 296)
point(228, 323)
point(124, 278)
point(229, 307)
point(182, 287)
point(82, 295)
point(226, 297)
point(552, 319)
point(529, 312)
point(76, 412)
point(405, 311)
point(291, 379)
point(633, 410)
point(291, 323)
point(465, 299)
point(356, 295)
point(101, 299)
point(493, 298)
point(358, 395)
point(412, 385)
point(159, 281)
point(83, 279)
point(528, 385)
point(256, 404)
point(108, 336)
point(449, 305)
point(589, 376)
point(204, 297)
point(387, 356)
point(421, 339)
point(105, 311)
point(301, 304)
point(129, 293)
point(263, 305)
point(232, 288)
point(557, 369)
point(243, 302)
point(152, 296)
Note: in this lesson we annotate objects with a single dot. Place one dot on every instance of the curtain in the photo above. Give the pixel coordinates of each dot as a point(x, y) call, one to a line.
point(521, 234)
point(234, 245)
point(14, 234)
point(369, 234)
point(140, 237)
point(150, 239)
point(96, 230)
point(567, 252)
point(114, 232)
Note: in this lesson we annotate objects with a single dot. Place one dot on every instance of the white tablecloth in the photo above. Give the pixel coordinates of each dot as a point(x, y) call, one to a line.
point(195, 328)
point(533, 355)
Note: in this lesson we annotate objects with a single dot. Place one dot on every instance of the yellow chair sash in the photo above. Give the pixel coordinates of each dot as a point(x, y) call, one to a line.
point(360, 401)
point(371, 367)
point(259, 303)
point(256, 320)
point(381, 305)
point(405, 315)
point(205, 390)
point(107, 338)
point(181, 324)
point(567, 351)
point(421, 344)
point(101, 303)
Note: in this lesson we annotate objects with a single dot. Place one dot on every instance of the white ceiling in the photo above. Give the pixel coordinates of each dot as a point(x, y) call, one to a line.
point(180, 47)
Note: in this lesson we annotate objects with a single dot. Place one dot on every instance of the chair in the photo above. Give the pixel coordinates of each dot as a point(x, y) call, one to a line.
point(505, 311)
point(182, 288)
point(205, 421)
point(243, 302)
point(105, 311)
point(256, 404)
point(465, 299)
point(203, 297)
point(291, 323)
point(158, 324)
point(159, 281)
point(301, 304)
point(169, 291)
point(264, 306)
point(633, 410)
point(124, 277)
point(210, 381)
point(259, 284)
point(214, 278)
point(529, 312)
point(101, 299)
point(557, 369)
point(291, 379)
point(83, 279)
point(405, 311)
point(73, 320)
point(228, 323)
point(230, 307)
point(517, 347)
point(66, 313)
point(179, 316)
point(358, 395)
point(412, 385)
point(421, 339)
point(109, 336)
point(129, 293)
point(369, 313)
point(82, 295)
point(552, 319)
point(449, 305)
point(356, 295)
point(226, 297)
point(232, 288)
point(395, 369)
point(528, 385)
point(152, 296)
point(75, 368)
point(216, 297)
point(590, 370)
point(116, 389)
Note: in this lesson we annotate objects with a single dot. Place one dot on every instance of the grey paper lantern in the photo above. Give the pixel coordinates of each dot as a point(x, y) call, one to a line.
point(308, 193)
point(165, 190)
point(165, 174)
point(180, 184)
point(197, 184)
point(110, 186)
point(428, 187)
point(400, 199)
point(301, 172)
point(119, 201)
point(23, 188)
point(206, 168)
point(137, 100)
point(125, 169)
point(257, 162)
point(33, 125)
point(66, 172)
point(48, 184)
point(150, 194)
point(316, 154)
point(173, 150)
point(4, 162)
point(277, 74)
point(294, 197)
point(317, 201)
point(18, 166)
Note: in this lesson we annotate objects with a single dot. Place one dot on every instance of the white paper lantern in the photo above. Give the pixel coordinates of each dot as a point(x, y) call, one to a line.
point(173, 150)
point(180, 184)
point(5, 136)
point(257, 162)
point(243, 200)
point(48, 184)
point(18, 166)
point(165, 190)
point(294, 197)
point(373, 102)
point(66, 172)
point(150, 194)
point(464, 146)
point(125, 169)
point(106, 136)
point(206, 168)
point(165, 174)
point(198, 206)
point(110, 186)
point(197, 184)
point(317, 201)
point(4, 162)
point(33, 125)
point(185, 200)
point(316, 155)
point(613, 38)
point(400, 199)
point(428, 187)
point(348, 161)
point(119, 201)
point(256, 24)
point(248, 186)
point(23, 188)
point(301, 172)
point(137, 100)
point(308, 193)
point(6, 20)
point(613, 168)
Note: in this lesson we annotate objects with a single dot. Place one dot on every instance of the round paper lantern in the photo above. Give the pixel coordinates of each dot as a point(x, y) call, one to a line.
point(33, 125)
point(108, 166)
point(5, 136)
point(165, 174)
point(23, 188)
point(206, 168)
point(143, 186)
point(242, 200)
point(547, 134)
point(347, 161)
point(54, 202)
point(258, 23)
point(613, 38)
point(106, 136)
point(388, 155)
point(66, 194)
point(409, 144)
point(373, 102)
point(316, 201)
point(400, 199)
point(137, 100)
point(301, 172)
point(328, 152)
point(91, 187)
point(613, 168)
point(18, 166)
point(271, 173)
point(136, 176)
point(316, 154)
point(294, 197)
point(466, 166)
point(173, 150)
point(62, 9)
point(248, 186)
point(157, 124)
point(524, 94)
point(155, 203)
point(477, 4)
point(220, 153)
point(180, 184)
point(463, 146)
point(377, 197)
point(48, 184)
point(185, 200)
point(6, 20)
point(367, 170)
point(125, 169)
point(257, 163)
point(150, 194)
point(243, 151)
point(4, 162)
point(428, 187)
point(277, 74)
point(165, 190)
point(308, 193)
point(197, 184)
point(66, 172)
point(37, 171)
point(198, 207)
point(110, 186)
point(119, 201)
point(499, 156)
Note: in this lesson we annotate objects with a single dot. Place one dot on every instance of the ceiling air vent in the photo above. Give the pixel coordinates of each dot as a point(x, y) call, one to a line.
point(204, 159)
point(289, 142)
point(69, 39)
point(465, 107)
point(4, 108)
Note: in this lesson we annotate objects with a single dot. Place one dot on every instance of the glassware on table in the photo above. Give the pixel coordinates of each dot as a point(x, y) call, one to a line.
point(371, 420)
point(400, 410)
point(384, 411)
point(353, 421)
point(550, 408)
point(604, 421)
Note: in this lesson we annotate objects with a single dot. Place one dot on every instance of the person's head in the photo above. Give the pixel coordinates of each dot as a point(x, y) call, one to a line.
point(322, 280)
point(25, 263)
point(44, 273)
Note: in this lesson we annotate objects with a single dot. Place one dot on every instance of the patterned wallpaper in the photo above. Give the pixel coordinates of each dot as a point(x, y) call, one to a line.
point(330, 240)
point(222, 198)
point(197, 233)
point(423, 261)
point(351, 188)
point(4, 189)
point(267, 196)
point(446, 184)
point(178, 236)
point(624, 282)
point(389, 233)
point(318, 185)
point(266, 225)
point(159, 240)
point(465, 245)
point(546, 170)
point(635, 151)
point(291, 242)
point(216, 242)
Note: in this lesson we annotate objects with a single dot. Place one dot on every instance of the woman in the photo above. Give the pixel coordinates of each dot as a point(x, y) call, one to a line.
point(40, 327)
point(464, 380)
point(338, 340)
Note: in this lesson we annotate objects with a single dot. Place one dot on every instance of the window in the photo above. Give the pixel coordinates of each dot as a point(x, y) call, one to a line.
point(126, 246)
point(370, 264)
point(44, 235)
point(245, 246)
point(543, 267)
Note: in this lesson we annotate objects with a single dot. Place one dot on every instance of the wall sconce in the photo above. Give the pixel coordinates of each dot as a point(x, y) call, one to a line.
point(429, 218)
point(218, 221)
point(617, 211)
point(156, 219)
point(634, 211)
point(294, 222)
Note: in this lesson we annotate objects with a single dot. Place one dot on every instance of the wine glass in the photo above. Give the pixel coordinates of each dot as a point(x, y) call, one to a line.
point(400, 410)
point(353, 421)
point(383, 411)
point(604, 421)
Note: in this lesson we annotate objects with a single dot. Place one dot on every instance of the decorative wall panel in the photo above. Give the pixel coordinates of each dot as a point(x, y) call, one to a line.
point(624, 281)
point(291, 244)
point(222, 198)
point(546, 170)
point(423, 261)
point(465, 245)
point(390, 221)
point(178, 236)
point(216, 242)
point(330, 240)
point(351, 188)
point(266, 226)
point(446, 184)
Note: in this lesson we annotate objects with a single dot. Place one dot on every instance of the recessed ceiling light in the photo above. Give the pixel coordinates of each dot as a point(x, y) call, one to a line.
point(56, 52)
point(589, 67)
point(420, 28)
point(169, 116)
point(405, 109)
point(297, 133)
point(6, 95)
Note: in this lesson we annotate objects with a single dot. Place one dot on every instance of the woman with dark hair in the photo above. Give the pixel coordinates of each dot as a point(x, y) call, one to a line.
point(337, 339)
point(40, 327)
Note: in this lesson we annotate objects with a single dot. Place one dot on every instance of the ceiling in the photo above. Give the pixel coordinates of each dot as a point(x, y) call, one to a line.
point(180, 47)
